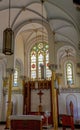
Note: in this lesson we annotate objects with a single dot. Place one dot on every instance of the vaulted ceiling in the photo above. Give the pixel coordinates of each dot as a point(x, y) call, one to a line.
point(25, 15)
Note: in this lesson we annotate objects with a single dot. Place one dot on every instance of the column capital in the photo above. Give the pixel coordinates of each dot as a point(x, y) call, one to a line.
point(78, 68)
point(5, 78)
point(10, 70)
point(59, 74)
point(52, 67)
point(5, 90)
point(78, 64)
point(23, 77)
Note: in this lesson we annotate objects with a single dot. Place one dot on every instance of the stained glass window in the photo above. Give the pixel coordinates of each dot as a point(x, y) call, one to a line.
point(16, 77)
point(39, 56)
point(69, 73)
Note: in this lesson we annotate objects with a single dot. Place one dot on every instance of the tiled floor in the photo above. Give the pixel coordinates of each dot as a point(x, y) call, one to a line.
point(2, 127)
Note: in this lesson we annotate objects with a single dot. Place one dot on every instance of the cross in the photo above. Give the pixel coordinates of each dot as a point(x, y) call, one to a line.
point(40, 95)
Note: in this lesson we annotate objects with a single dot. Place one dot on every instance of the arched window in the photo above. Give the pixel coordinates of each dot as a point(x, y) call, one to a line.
point(15, 77)
point(39, 56)
point(69, 73)
point(16, 80)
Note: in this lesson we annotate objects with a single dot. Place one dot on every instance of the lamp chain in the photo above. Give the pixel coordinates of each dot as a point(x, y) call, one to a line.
point(9, 12)
point(42, 1)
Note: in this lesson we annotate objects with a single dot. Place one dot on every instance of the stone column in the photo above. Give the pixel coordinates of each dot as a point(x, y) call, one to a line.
point(9, 106)
point(5, 80)
point(54, 97)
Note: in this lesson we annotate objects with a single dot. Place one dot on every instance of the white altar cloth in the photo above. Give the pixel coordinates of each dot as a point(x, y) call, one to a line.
point(25, 117)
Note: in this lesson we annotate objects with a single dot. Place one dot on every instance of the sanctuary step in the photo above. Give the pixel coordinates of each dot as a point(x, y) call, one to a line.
point(48, 127)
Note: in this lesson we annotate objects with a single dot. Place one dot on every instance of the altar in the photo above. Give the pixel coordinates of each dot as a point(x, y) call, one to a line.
point(25, 122)
point(38, 99)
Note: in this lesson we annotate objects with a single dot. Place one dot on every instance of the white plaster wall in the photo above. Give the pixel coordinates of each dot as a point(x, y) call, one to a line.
point(19, 48)
point(19, 104)
point(62, 103)
point(18, 100)
point(34, 100)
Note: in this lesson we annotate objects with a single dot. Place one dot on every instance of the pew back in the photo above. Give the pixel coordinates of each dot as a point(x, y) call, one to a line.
point(67, 121)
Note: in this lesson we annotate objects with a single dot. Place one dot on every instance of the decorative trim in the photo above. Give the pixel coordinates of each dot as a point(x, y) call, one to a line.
point(52, 67)
point(69, 90)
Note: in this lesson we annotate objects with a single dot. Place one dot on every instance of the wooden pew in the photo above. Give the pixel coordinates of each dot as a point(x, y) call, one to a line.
point(25, 122)
point(67, 121)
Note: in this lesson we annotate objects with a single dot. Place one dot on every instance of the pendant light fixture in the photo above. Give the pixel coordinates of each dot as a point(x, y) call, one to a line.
point(8, 47)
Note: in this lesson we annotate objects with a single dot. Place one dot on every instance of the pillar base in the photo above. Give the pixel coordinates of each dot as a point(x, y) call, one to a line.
point(6, 128)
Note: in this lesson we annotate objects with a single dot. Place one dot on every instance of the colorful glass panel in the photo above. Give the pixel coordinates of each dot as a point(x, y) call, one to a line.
point(39, 55)
point(69, 73)
point(15, 82)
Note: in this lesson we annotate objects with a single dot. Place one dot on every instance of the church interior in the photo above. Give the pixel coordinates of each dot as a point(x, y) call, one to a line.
point(39, 64)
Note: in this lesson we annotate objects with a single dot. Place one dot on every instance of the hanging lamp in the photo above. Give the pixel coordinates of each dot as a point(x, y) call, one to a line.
point(8, 34)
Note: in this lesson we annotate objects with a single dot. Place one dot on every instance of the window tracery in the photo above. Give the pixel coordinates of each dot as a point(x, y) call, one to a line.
point(39, 56)
point(69, 73)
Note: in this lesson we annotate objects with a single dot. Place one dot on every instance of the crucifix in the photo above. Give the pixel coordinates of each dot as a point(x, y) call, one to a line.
point(40, 98)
